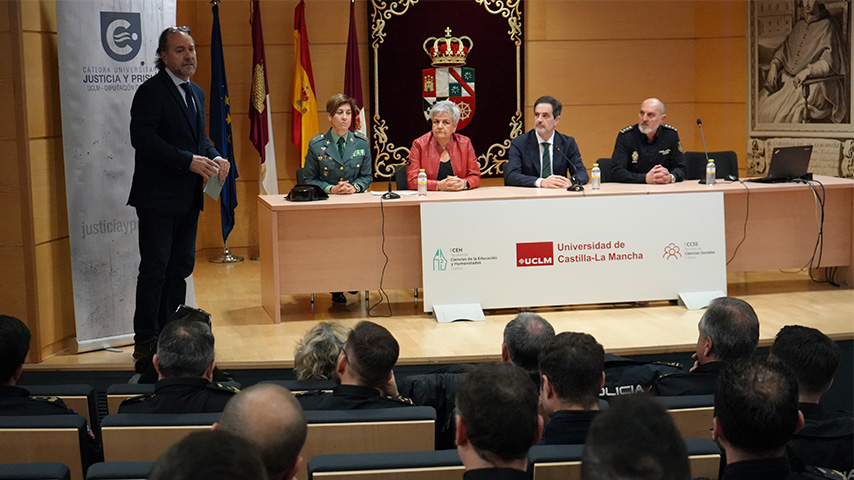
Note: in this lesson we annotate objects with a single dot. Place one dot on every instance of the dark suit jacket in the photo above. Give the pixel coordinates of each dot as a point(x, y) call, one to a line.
point(523, 166)
point(165, 142)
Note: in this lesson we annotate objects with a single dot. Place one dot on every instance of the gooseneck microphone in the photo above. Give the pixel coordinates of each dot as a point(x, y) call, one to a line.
point(575, 183)
point(703, 135)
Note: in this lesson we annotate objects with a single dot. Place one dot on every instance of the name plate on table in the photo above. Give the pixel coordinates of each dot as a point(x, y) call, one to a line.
point(571, 250)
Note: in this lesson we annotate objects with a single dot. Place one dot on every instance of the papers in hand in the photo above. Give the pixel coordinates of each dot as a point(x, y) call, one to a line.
point(213, 187)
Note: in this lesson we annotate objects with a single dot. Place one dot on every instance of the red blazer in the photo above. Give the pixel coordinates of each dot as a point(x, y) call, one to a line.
point(425, 154)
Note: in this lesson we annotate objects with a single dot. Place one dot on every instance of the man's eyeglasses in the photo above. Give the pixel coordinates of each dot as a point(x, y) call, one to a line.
point(341, 346)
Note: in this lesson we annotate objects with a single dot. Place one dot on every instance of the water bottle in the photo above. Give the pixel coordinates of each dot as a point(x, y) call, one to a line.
point(710, 172)
point(597, 176)
point(422, 183)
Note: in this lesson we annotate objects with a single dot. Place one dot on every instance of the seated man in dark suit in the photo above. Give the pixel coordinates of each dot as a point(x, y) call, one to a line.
point(756, 413)
point(572, 366)
point(496, 422)
point(543, 157)
point(184, 364)
point(827, 439)
point(364, 371)
point(634, 438)
point(14, 400)
point(728, 330)
point(524, 338)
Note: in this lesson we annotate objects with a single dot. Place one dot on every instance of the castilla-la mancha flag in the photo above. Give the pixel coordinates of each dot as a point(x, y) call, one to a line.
point(304, 121)
point(353, 75)
point(260, 119)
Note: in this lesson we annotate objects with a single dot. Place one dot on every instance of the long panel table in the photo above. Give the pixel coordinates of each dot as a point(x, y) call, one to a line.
point(335, 244)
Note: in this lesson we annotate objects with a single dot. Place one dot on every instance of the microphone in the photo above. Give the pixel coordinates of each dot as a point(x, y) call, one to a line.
point(576, 184)
point(705, 150)
point(389, 195)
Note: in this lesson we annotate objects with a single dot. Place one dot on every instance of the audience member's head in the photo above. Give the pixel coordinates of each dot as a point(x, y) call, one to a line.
point(271, 418)
point(634, 438)
point(728, 330)
point(572, 366)
point(812, 355)
point(316, 353)
point(14, 345)
point(185, 348)
point(368, 356)
point(497, 420)
point(211, 455)
point(756, 409)
point(524, 338)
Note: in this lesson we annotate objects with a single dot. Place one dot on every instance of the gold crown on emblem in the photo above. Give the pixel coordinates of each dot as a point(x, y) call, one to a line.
point(448, 51)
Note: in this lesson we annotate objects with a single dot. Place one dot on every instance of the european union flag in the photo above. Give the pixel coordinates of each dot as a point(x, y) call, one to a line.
point(220, 127)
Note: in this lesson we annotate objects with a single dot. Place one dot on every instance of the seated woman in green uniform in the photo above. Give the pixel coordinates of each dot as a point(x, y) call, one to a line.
point(339, 161)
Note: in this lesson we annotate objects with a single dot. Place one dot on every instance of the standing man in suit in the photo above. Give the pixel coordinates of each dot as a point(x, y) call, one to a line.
point(543, 157)
point(174, 157)
point(648, 151)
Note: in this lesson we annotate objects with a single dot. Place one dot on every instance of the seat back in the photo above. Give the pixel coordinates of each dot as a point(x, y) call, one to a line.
point(726, 163)
point(427, 465)
point(119, 471)
point(116, 394)
point(35, 471)
point(78, 397)
point(692, 414)
point(45, 438)
point(368, 431)
point(400, 180)
point(301, 176)
point(145, 436)
point(605, 168)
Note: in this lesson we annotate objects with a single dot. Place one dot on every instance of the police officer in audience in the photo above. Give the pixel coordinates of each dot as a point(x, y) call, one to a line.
point(14, 400)
point(756, 413)
point(648, 151)
point(524, 338)
point(827, 437)
point(496, 422)
point(572, 369)
point(184, 364)
point(365, 373)
point(210, 455)
point(729, 329)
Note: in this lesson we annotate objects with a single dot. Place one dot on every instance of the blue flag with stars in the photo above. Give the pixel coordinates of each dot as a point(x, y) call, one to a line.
point(220, 127)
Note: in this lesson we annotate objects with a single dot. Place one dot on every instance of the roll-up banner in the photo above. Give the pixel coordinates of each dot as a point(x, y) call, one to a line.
point(106, 50)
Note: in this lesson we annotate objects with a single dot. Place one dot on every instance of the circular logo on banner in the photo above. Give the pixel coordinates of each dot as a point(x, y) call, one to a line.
point(121, 35)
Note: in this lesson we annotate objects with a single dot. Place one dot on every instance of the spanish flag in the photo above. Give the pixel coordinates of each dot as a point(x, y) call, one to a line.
point(304, 121)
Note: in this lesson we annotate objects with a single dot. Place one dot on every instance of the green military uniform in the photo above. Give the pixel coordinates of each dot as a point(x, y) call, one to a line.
point(325, 167)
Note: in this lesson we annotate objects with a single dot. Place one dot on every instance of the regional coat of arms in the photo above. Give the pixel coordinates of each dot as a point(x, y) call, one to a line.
point(449, 79)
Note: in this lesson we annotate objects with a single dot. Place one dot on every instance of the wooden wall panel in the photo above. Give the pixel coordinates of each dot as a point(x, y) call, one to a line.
point(715, 18)
point(13, 288)
point(42, 72)
point(7, 122)
point(47, 181)
point(4, 17)
point(11, 232)
point(38, 15)
point(55, 296)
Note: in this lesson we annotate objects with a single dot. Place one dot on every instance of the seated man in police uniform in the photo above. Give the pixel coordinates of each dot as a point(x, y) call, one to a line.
point(365, 373)
point(184, 362)
point(14, 400)
point(649, 151)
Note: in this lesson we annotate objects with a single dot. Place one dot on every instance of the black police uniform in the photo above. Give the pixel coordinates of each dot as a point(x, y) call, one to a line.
point(634, 155)
point(349, 397)
point(568, 427)
point(181, 395)
point(496, 474)
point(827, 439)
point(775, 469)
point(699, 382)
point(18, 401)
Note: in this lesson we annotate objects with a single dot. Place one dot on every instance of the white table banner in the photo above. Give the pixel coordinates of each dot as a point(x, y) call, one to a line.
point(571, 250)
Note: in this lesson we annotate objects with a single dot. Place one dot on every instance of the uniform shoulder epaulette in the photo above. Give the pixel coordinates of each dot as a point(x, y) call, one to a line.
point(819, 473)
point(319, 136)
point(139, 398)
point(627, 129)
point(223, 388)
point(49, 399)
point(358, 133)
point(665, 125)
point(310, 393)
point(401, 399)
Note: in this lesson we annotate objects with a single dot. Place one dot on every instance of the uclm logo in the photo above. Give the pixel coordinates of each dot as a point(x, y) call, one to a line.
point(536, 254)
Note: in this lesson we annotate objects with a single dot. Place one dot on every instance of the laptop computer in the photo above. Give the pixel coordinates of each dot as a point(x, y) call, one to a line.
point(787, 164)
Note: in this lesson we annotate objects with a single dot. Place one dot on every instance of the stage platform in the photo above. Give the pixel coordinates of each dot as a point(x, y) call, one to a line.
point(246, 337)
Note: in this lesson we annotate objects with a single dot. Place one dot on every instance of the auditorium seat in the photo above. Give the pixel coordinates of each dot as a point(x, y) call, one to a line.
point(692, 414)
point(605, 168)
point(34, 471)
point(46, 438)
point(726, 163)
point(119, 471)
point(145, 436)
point(78, 397)
point(402, 183)
point(553, 462)
point(427, 465)
point(368, 431)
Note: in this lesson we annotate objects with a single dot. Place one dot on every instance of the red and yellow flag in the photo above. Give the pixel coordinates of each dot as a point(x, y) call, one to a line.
point(304, 122)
